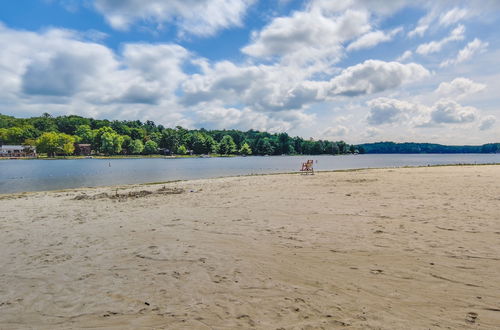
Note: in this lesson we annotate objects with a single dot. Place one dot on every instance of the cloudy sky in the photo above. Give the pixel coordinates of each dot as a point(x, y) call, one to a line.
point(356, 70)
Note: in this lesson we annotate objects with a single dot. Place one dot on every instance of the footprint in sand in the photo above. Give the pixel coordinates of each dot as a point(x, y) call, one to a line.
point(471, 317)
point(247, 318)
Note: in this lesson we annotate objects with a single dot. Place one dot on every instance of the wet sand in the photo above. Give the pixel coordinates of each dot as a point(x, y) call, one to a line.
point(411, 248)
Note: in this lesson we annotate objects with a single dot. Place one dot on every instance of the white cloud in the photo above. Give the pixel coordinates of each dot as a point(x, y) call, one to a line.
point(372, 39)
point(452, 16)
point(379, 7)
point(439, 16)
point(474, 47)
point(307, 37)
point(331, 133)
point(385, 110)
point(487, 123)
point(374, 76)
point(57, 67)
point(459, 88)
point(423, 24)
point(436, 46)
point(405, 56)
point(277, 88)
point(263, 87)
point(198, 17)
point(450, 112)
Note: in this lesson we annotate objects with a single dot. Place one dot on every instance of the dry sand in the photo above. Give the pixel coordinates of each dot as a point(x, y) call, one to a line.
point(405, 248)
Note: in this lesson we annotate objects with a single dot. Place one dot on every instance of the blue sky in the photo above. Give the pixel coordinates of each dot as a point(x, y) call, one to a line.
point(353, 70)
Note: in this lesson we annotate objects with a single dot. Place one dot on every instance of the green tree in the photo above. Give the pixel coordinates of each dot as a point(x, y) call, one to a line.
point(69, 124)
point(227, 145)
point(245, 149)
point(210, 144)
point(169, 140)
point(17, 135)
point(136, 147)
point(284, 143)
point(46, 123)
point(202, 143)
point(3, 136)
point(264, 147)
point(68, 148)
point(150, 147)
point(137, 133)
point(335, 149)
point(182, 150)
point(111, 143)
point(85, 134)
point(53, 143)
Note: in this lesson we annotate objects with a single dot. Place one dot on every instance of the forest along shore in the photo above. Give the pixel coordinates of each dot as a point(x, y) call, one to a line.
point(383, 248)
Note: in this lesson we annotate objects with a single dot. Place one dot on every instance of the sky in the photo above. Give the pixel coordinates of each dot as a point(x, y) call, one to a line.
point(353, 70)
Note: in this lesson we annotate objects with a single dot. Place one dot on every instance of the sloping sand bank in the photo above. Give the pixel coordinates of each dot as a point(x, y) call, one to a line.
point(408, 248)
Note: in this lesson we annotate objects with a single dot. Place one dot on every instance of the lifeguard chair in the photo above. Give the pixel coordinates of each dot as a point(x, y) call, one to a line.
point(307, 167)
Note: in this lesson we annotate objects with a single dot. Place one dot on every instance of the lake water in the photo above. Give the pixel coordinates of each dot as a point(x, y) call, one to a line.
point(36, 175)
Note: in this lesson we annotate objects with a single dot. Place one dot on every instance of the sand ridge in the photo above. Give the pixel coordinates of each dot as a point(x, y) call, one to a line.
point(412, 248)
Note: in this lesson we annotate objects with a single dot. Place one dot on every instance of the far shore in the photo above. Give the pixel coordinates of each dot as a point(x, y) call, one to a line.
point(392, 248)
point(118, 157)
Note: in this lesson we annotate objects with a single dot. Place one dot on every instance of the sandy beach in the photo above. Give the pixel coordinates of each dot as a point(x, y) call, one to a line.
point(408, 248)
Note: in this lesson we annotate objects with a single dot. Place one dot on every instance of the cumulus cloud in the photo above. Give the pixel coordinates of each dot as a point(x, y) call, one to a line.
point(474, 47)
point(274, 88)
point(263, 87)
point(385, 110)
point(308, 36)
point(374, 76)
point(57, 66)
point(459, 88)
point(372, 39)
point(198, 17)
point(57, 75)
point(487, 123)
point(450, 112)
point(436, 46)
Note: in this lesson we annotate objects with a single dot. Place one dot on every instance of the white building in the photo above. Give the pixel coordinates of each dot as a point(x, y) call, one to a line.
point(17, 151)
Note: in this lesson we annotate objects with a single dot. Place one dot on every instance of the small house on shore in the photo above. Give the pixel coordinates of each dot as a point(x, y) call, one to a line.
point(17, 151)
point(83, 149)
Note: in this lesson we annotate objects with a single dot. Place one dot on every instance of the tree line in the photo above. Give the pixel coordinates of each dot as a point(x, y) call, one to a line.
point(428, 148)
point(58, 136)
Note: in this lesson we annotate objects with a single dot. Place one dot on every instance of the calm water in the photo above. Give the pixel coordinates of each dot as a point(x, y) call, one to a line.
point(34, 175)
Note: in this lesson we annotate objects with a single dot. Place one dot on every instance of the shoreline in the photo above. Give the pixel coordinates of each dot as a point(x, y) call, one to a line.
point(120, 157)
point(124, 186)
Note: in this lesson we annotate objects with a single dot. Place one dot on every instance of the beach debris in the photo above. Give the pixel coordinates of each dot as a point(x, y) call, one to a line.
point(131, 194)
point(471, 317)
